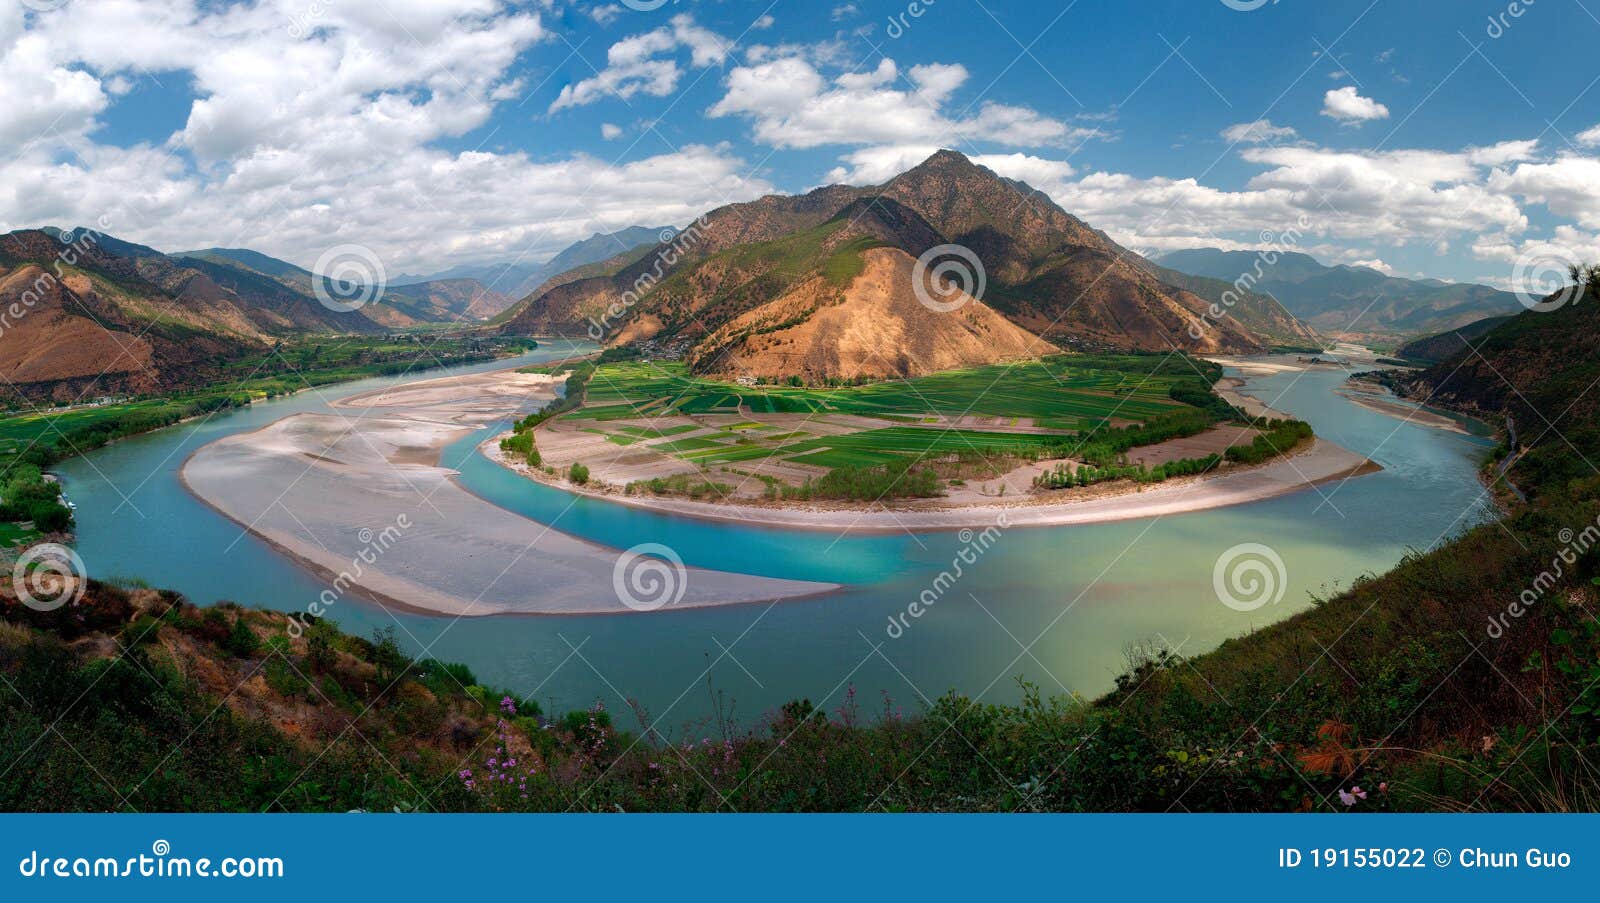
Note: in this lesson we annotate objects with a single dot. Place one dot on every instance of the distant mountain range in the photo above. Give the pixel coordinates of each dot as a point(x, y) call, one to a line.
point(1348, 302)
point(517, 280)
point(98, 314)
point(820, 285)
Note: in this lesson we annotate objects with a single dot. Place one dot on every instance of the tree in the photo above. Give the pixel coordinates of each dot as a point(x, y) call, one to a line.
point(578, 473)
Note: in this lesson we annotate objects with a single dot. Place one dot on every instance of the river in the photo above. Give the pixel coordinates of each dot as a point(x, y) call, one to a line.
point(1058, 607)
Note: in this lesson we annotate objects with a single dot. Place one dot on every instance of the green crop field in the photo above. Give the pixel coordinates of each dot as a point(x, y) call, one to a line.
point(1064, 393)
point(1071, 391)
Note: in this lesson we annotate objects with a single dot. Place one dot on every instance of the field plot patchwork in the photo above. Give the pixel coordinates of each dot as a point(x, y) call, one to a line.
point(649, 421)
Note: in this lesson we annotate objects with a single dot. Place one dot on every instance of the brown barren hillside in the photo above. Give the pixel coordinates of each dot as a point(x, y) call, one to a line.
point(76, 320)
point(878, 329)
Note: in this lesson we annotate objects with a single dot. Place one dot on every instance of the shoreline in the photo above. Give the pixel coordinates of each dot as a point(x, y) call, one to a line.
point(459, 555)
point(1324, 462)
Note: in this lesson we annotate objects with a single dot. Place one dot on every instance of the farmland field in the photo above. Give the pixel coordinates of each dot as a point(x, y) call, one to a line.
point(658, 417)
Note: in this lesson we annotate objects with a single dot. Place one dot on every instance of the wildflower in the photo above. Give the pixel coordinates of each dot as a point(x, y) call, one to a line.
point(1383, 787)
point(508, 706)
point(1350, 798)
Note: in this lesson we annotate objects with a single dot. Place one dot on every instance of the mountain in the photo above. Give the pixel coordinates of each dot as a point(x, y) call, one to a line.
point(1265, 315)
point(82, 321)
point(1350, 302)
point(1447, 345)
point(1539, 367)
point(517, 280)
point(448, 301)
point(757, 287)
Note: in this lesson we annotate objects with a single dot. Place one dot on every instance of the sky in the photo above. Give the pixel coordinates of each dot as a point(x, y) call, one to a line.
point(1458, 139)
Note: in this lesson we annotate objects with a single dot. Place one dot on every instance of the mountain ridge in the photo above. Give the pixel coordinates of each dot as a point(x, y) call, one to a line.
point(1046, 271)
point(1351, 301)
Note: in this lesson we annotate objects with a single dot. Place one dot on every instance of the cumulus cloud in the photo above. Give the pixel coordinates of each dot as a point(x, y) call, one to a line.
point(610, 132)
point(1589, 137)
point(317, 125)
point(792, 104)
point(644, 63)
point(1374, 263)
point(1348, 106)
point(875, 165)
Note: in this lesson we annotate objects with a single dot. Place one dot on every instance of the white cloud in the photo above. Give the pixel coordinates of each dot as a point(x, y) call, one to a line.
point(610, 132)
point(762, 23)
point(1589, 137)
point(645, 63)
point(875, 165)
point(1261, 131)
point(317, 130)
point(793, 105)
point(1348, 106)
point(1374, 264)
point(1569, 186)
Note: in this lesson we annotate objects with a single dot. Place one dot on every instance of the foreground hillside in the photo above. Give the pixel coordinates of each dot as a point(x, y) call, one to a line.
point(752, 288)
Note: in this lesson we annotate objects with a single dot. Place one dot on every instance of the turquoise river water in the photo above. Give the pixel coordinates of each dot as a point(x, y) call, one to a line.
point(1056, 606)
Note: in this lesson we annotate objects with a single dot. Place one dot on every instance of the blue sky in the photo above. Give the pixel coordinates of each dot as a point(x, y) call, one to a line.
point(1455, 139)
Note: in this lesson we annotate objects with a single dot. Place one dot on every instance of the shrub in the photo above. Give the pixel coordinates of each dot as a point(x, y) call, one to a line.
point(578, 473)
point(241, 640)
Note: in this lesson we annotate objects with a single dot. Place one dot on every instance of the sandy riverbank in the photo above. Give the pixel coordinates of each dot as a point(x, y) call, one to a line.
point(1321, 461)
point(360, 492)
